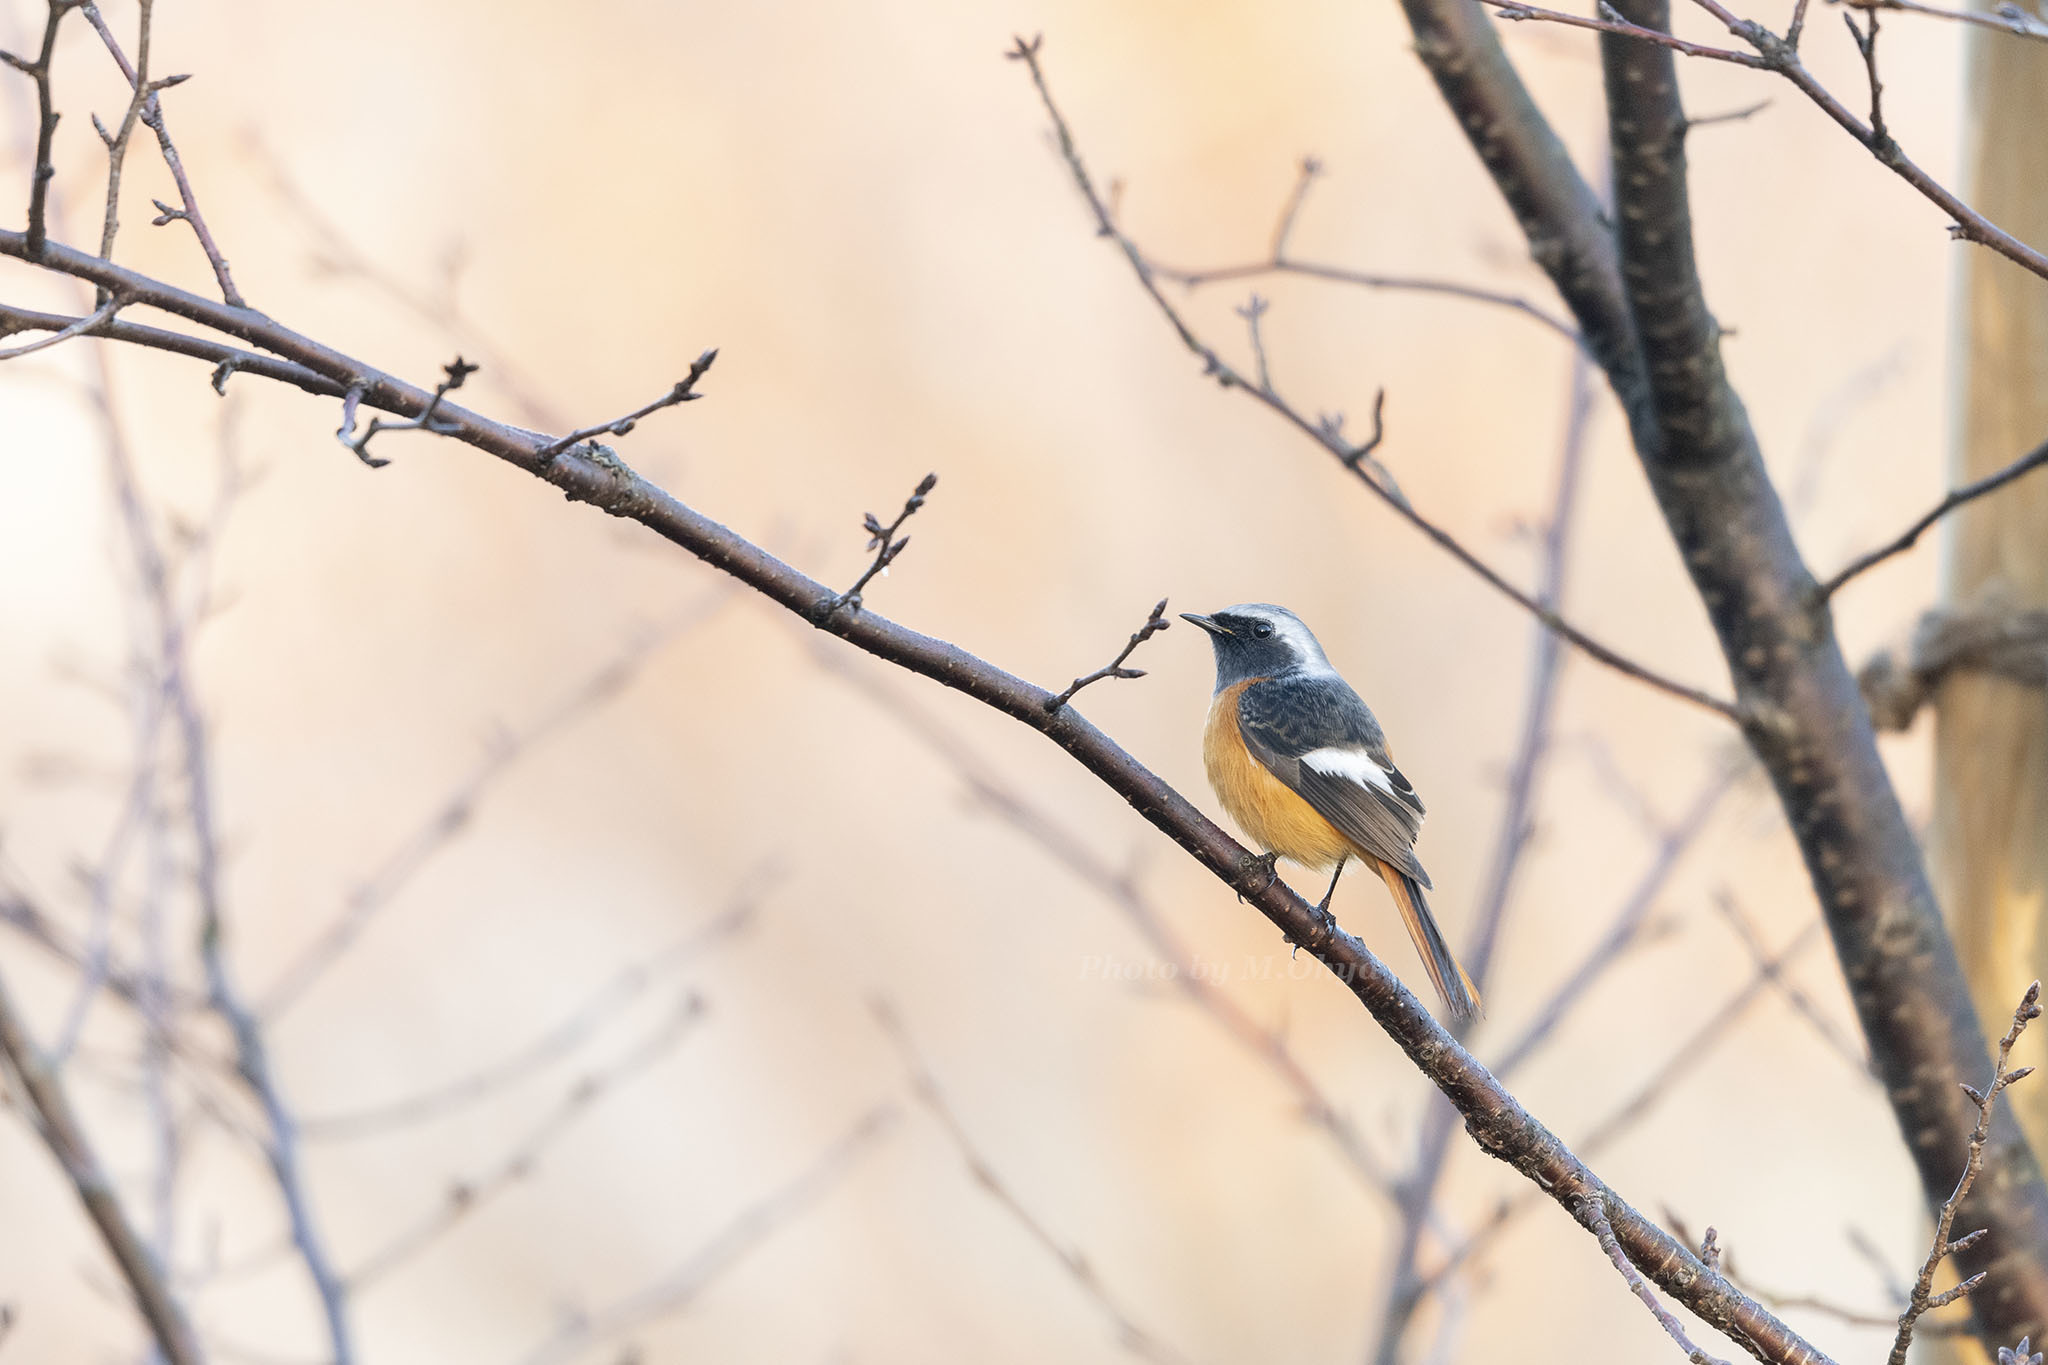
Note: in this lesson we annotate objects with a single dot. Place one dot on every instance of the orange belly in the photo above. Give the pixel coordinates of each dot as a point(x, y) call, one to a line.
point(1262, 805)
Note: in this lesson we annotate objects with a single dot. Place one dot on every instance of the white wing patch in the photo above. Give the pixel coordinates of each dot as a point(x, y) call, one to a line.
point(1353, 764)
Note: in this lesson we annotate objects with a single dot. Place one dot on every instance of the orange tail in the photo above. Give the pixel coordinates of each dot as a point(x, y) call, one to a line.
point(1445, 974)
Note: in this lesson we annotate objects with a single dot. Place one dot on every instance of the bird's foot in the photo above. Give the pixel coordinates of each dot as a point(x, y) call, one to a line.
point(1251, 866)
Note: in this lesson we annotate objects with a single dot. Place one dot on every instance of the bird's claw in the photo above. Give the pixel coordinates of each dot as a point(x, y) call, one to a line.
point(1266, 862)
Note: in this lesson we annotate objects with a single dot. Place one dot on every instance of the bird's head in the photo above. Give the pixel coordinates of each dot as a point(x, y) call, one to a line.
point(1258, 640)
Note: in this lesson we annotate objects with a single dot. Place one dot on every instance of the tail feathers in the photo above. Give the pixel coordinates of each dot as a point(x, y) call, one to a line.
point(1456, 988)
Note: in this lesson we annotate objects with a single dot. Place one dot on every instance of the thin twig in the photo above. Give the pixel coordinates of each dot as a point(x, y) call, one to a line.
point(1252, 311)
point(884, 542)
point(44, 169)
point(434, 834)
point(152, 115)
point(1801, 1003)
point(1741, 115)
point(1337, 274)
point(1138, 1340)
point(1418, 1191)
point(65, 1136)
point(1310, 169)
point(1595, 1218)
point(1517, 822)
point(465, 1197)
point(455, 374)
point(1214, 365)
point(338, 255)
point(684, 391)
point(1798, 24)
point(252, 1060)
point(1782, 55)
point(1154, 623)
point(1866, 47)
point(1955, 498)
point(559, 1040)
point(1514, 10)
point(113, 304)
point(753, 1226)
point(117, 143)
point(1278, 262)
point(1923, 1298)
point(228, 360)
point(2002, 18)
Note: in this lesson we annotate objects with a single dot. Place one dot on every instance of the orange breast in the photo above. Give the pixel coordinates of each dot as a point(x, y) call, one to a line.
point(1263, 806)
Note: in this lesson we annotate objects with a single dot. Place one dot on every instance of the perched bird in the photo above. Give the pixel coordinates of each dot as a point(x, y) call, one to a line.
point(1301, 765)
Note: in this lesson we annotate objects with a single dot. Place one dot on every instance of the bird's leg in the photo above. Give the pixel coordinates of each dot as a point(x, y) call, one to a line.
point(1265, 862)
point(1323, 906)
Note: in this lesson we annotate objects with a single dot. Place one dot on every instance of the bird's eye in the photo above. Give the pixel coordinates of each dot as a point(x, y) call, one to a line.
point(1263, 629)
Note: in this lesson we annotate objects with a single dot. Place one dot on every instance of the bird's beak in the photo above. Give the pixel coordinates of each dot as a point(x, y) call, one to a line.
point(1206, 623)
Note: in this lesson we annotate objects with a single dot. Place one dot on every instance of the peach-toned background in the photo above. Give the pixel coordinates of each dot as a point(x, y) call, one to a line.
point(859, 206)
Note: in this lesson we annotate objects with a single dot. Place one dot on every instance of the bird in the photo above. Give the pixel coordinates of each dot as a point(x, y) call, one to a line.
point(1299, 762)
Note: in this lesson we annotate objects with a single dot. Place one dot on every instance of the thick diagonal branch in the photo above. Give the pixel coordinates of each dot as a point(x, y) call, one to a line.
point(1494, 1117)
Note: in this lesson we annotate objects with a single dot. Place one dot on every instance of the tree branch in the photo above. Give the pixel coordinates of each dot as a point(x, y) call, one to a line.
point(1154, 623)
point(1328, 433)
point(1496, 1120)
point(1807, 721)
point(1923, 1297)
point(152, 115)
point(1955, 498)
point(1138, 1340)
point(66, 1138)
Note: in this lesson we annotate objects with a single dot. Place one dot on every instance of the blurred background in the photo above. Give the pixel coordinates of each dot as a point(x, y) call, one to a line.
point(567, 880)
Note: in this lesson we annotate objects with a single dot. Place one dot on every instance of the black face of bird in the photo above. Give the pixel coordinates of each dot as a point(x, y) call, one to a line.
point(1258, 640)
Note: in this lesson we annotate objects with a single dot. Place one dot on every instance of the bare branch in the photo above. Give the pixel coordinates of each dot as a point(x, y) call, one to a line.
point(884, 542)
point(1278, 262)
point(1498, 1122)
point(1517, 822)
point(453, 814)
point(1782, 56)
point(1154, 623)
point(684, 391)
point(1923, 1298)
point(1514, 10)
point(1866, 47)
point(1955, 498)
point(2005, 17)
point(66, 1138)
point(152, 115)
point(465, 1197)
point(754, 1225)
point(1660, 1084)
point(1802, 1003)
point(555, 1043)
point(228, 360)
point(1407, 1286)
point(1139, 1341)
point(45, 170)
point(1351, 458)
point(1595, 1218)
point(1417, 1192)
point(455, 373)
point(990, 788)
point(117, 143)
point(113, 304)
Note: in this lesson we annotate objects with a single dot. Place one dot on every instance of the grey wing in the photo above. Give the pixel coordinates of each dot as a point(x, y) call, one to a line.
point(1321, 740)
